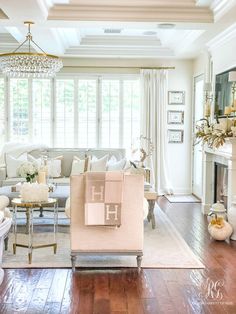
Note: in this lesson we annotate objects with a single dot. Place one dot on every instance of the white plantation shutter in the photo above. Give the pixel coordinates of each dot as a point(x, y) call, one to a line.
point(131, 111)
point(87, 113)
point(19, 110)
point(64, 113)
point(2, 112)
point(110, 114)
point(73, 111)
point(41, 111)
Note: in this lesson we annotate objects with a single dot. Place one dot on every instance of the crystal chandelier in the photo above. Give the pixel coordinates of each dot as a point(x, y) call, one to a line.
point(29, 64)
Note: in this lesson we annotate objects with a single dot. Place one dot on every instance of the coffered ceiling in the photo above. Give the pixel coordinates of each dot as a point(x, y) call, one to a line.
point(116, 28)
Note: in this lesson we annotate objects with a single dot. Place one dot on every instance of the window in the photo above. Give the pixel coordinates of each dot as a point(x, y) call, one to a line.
point(2, 112)
point(19, 110)
point(64, 113)
point(77, 111)
point(131, 111)
point(87, 113)
point(110, 113)
point(41, 111)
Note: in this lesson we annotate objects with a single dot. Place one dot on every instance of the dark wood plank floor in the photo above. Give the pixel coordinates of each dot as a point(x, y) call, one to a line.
point(209, 290)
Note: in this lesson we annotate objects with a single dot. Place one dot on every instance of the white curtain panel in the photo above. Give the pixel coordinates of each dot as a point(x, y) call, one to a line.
point(154, 125)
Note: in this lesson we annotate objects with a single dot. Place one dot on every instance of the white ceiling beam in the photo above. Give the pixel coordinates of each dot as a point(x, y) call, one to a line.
point(164, 13)
point(24, 10)
point(141, 52)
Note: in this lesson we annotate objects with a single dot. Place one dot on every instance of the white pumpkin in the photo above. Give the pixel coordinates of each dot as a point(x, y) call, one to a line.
point(220, 233)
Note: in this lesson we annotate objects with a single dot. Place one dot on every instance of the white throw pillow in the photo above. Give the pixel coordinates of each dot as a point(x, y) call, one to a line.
point(13, 164)
point(99, 164)
point(79, 165)
point(116, 166)
point(37, 161)
point(54, 168)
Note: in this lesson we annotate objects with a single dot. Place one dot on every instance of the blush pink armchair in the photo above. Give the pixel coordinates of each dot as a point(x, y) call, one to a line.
point(102, 240)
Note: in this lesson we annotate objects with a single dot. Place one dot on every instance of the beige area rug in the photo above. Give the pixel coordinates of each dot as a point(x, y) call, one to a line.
point(163, 248)
point(182, 198)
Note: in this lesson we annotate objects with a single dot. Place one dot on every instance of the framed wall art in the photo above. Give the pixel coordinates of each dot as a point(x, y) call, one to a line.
point(176, 98)
point(175, 136)
point(175, 117)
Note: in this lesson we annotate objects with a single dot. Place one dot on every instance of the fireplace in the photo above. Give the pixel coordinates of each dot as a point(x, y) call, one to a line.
point(221, 183)
point(219, 175)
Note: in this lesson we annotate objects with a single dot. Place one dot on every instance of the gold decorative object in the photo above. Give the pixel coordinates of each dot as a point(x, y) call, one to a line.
point(214, 134)
point(29, 64)
point(232, 78)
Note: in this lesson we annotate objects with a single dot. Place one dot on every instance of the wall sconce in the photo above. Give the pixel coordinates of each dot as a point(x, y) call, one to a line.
point(208, 99)
point(232, 78)
point(217, 92)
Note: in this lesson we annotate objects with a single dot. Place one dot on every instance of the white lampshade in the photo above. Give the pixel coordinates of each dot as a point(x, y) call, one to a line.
point(232, 76)
point(207, 87)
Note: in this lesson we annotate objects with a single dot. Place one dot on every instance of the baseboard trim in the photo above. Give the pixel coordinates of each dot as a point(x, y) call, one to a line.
point(206, 208)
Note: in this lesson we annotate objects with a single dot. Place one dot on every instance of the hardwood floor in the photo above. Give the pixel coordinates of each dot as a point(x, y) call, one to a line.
point(126, 291)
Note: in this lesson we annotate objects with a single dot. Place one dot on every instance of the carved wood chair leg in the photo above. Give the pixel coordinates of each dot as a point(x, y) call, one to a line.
point(6, 243)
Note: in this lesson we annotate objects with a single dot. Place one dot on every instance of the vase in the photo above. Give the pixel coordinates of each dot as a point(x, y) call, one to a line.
point(220, 233)
point(232, 218)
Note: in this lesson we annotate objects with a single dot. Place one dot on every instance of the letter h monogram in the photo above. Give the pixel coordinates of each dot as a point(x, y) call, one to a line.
point(94, 193)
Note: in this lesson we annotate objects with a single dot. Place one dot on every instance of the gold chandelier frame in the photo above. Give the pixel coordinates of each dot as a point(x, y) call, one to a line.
point(43, 70)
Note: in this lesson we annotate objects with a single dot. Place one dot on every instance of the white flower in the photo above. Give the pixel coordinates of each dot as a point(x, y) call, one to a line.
point(27, 168)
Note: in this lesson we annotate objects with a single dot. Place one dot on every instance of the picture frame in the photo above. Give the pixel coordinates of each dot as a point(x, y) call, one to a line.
point(175, 136)
point(175, 117)
point(176, 97)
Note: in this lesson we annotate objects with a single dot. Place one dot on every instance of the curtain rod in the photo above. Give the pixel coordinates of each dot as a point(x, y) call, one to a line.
point(121, 67)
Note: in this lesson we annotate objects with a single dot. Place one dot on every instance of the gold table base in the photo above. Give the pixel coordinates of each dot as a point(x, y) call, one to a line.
point(29, 208)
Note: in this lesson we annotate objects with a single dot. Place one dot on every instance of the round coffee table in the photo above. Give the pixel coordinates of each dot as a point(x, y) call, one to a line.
point(29, 207)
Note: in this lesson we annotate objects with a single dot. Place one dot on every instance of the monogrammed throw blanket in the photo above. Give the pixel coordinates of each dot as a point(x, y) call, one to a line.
point(103, 198)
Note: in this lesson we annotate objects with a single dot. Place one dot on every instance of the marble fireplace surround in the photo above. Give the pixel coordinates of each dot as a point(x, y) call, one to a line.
point(225, 155)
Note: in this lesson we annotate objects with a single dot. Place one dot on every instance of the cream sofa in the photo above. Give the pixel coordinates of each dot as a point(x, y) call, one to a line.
point(68, 155)
point(100, 240)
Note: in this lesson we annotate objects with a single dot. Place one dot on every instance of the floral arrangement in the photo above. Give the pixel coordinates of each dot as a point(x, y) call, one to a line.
point(28, 170)
point(214, 134)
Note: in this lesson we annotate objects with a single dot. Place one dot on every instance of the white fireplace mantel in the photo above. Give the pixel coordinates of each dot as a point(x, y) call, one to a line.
point(226, 155)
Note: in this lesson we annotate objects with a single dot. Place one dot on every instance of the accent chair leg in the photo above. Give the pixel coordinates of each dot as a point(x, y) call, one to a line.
point(6, 243)
point(139, 261)
point(73, 261)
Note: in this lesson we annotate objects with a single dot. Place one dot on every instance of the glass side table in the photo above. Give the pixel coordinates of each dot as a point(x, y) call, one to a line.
point(29, 207)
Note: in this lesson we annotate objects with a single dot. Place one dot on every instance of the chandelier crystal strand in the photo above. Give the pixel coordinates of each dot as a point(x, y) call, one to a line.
point(29, 64)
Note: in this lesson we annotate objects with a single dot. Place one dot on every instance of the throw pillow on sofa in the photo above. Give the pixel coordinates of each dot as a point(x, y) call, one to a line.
point(37, 161)
point(116, 165)
point(99, 164)
point(54, 167)
point(13, 164)
point(79, 165)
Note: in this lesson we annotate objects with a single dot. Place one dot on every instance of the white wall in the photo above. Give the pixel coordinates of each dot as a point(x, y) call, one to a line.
point(224, 57)
point(179, 155)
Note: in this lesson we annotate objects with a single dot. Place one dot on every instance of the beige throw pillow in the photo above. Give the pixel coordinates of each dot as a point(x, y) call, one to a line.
point(79, 165)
